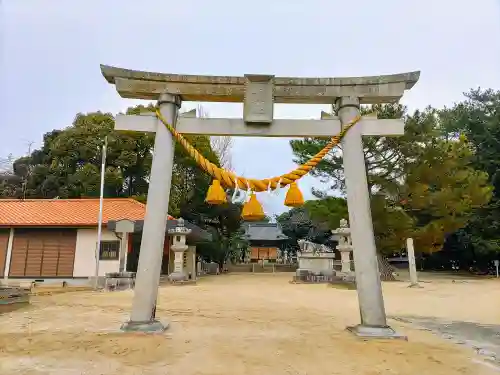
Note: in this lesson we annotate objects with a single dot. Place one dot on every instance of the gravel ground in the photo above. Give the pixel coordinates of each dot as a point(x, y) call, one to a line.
point(251, 324)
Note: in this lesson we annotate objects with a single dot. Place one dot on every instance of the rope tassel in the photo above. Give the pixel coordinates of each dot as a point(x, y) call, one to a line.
point(294, 197)
point(252, 210)
point(216, 194)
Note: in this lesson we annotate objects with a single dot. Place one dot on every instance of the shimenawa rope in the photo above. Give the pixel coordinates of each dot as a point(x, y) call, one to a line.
point(230, 180)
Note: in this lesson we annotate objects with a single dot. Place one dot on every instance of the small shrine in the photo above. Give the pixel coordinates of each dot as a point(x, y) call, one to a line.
point(265, 240)
point(316, 262)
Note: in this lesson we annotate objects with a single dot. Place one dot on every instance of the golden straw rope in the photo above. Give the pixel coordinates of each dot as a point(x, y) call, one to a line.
point(229, 179)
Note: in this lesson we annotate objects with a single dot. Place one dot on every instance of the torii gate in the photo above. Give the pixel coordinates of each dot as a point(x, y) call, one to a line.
point(258, 94)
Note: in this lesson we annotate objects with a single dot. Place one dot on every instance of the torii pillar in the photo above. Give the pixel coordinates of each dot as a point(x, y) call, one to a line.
point(259, 93)
point(368, 285)
point(143, 316)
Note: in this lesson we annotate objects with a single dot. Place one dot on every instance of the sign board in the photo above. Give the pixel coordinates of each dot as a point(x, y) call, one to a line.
point(497, 263)
point(258, 105)
point(124, 226)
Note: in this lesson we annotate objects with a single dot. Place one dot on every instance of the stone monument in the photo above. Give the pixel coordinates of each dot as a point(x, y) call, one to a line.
point(258, 93)
point(315, 262)
point(412, 265)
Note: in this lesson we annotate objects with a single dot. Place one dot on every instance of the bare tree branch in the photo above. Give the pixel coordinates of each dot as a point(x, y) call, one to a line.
point(6, 164)
point(222, 145)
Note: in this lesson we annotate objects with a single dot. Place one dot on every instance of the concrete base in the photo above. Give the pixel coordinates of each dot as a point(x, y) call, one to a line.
point(313, 279)
point(153, 326)
point(182, 282)
point(342, 285)
point(177, 276)
point(97, 282)
point(122, 283)
point(349, 275)
point(344, 281)
point(381, 333)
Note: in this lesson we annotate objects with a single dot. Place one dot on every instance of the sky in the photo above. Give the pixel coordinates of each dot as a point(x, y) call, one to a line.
point(51, 51)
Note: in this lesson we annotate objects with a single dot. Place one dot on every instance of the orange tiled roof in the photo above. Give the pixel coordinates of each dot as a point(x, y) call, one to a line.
point(67, 212)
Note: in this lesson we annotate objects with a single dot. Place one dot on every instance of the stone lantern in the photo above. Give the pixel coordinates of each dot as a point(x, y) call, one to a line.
point(179, 234)
point(345, 247)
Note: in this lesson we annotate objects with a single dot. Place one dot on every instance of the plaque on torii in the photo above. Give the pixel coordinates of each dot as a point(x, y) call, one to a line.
point(258, 93)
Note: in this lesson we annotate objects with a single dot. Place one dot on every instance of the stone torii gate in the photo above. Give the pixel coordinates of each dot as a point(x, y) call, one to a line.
point(258, 94)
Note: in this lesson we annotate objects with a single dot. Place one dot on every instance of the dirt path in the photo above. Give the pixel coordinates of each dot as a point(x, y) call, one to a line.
point(245, 324)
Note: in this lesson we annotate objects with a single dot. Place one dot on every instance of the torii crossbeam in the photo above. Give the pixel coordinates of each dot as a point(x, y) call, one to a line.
point(259, 93)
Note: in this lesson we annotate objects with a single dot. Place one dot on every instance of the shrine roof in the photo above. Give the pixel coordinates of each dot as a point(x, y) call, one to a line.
point(264, 232)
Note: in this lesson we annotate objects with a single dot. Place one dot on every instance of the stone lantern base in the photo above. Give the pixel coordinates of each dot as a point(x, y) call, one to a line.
point(177, 277)
point(369, 332)
point(153, 326)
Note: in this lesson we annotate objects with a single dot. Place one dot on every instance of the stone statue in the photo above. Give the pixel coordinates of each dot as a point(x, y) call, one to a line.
point(306, 246)
point(315, 262)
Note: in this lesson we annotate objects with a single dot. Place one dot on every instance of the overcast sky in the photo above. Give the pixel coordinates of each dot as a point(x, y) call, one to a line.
point(51, 51)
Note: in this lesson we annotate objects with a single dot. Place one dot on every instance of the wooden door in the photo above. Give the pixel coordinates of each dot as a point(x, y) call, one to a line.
point(43, 253)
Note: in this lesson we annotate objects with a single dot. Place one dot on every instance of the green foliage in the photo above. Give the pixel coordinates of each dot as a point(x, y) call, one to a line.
point(224, 223)
point(431, 184)
point(313, 221)
point(68, 163)
point(68, 166)
point(478, 119)
point(327, 212)
point(422, 185)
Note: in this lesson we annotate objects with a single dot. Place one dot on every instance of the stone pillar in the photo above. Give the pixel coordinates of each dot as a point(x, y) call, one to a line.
point(143, 313)
point(179, 260)
point(123, 252)
point(369, 288)
point(345, 258)
point(191, 263)
point(412, 264)
point(178, 273)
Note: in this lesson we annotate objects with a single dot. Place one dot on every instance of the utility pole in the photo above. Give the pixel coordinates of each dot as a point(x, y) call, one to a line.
point(101, 201)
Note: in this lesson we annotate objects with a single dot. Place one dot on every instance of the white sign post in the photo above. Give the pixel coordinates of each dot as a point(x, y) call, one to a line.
point(497, 263)
point(412, 264)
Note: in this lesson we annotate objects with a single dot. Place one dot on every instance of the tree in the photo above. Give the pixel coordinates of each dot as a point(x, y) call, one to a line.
point(68, 166)
point(422, 185)
point(295, 224)
point(224, 223)
point(68, 163)
point(313, 221)
point(327, 212)
point(477, 119)
point(221, 145)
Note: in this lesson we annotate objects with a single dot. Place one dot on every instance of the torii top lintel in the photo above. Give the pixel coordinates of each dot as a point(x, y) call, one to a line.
point(136, 84)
